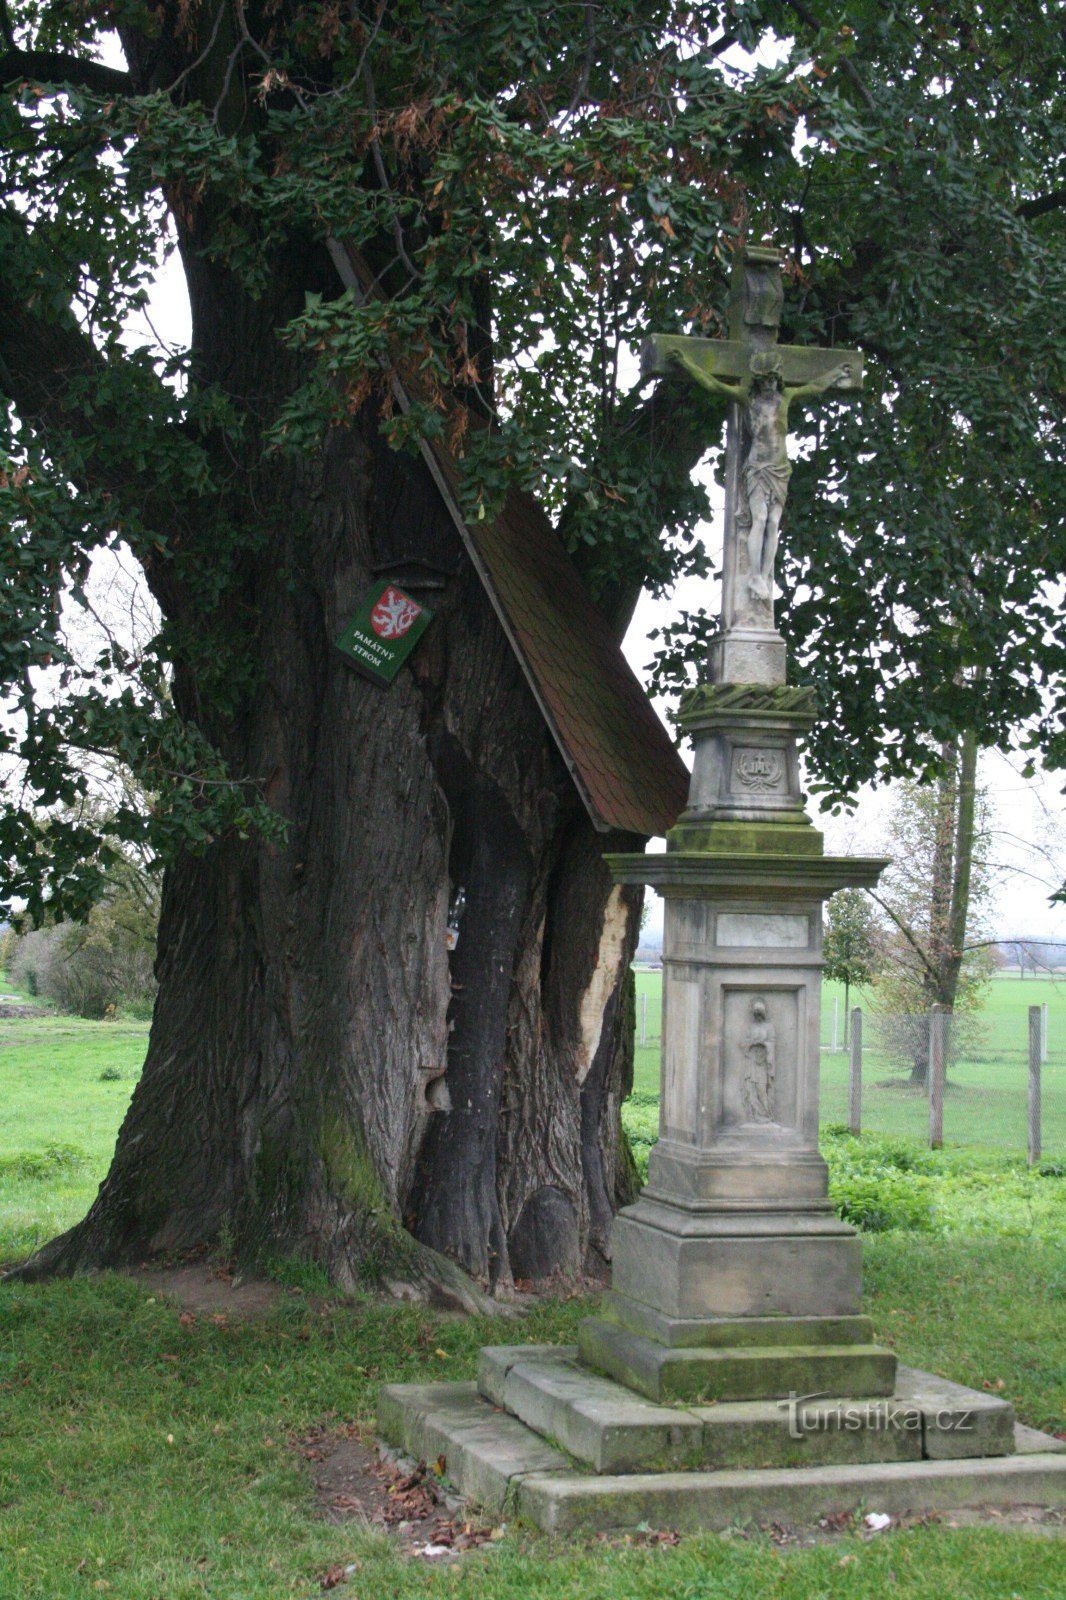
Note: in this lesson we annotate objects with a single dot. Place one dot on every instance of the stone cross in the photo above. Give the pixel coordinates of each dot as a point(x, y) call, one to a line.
point(760, 378)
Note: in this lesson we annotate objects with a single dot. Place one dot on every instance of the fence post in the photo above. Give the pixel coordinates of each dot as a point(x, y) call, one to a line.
point(855, 1073)
point(643, 1019)
point(938, 1030)
point(1035, 1058)
point(1043, 1034)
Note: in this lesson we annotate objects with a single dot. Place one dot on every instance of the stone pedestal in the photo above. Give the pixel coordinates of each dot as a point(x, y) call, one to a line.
point(735, 1232)
point(730, 1373)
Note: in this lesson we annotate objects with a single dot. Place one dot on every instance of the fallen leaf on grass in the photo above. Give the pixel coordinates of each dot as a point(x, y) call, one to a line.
point(642, 1537)
point(836, 1520)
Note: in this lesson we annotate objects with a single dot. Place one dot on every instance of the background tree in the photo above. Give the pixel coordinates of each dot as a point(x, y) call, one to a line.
point(103, 964)
point(532, 187)
point(853, 946)
point(934, 894)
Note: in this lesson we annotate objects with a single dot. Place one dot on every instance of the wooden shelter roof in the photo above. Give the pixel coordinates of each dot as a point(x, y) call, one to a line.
point(620, 755)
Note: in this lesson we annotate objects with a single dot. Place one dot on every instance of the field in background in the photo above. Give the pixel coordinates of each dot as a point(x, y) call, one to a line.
point(64, 1088)
point(986, 1098)
point(65, 1085)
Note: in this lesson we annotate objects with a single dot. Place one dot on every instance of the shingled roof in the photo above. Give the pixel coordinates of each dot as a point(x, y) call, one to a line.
point(618, 752)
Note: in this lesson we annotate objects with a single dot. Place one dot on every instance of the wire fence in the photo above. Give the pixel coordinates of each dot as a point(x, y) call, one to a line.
point(649, 1017)
point(997, 1083)
point(985, 1098)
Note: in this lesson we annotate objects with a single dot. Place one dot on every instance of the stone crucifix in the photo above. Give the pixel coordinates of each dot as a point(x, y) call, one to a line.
point(761, 379)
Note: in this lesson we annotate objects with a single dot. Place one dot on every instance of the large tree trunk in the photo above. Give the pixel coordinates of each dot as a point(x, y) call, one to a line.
point(320, 1072)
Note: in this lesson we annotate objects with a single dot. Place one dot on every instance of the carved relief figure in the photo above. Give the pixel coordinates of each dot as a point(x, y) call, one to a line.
point(759, 1053)
point(766, 469)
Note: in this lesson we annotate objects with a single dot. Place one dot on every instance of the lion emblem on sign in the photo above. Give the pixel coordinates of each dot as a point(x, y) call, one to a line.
point(394, 614)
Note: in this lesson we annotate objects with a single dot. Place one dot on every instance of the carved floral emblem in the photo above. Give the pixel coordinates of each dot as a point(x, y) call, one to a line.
point(759, 770)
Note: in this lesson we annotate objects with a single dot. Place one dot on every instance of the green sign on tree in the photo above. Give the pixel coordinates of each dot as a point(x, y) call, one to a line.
point(383, 632)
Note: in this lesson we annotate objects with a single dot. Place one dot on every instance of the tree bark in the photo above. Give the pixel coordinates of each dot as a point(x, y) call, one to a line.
point(952, 875)
point(963, 866)
point(319, 1071)
point(938, 947)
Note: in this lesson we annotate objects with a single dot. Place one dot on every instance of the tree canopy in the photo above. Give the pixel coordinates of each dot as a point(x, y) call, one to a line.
point(535, 186)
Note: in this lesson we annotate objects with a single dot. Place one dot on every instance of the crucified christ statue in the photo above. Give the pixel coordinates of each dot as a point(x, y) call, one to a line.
point(766, 469)
point(761, 378)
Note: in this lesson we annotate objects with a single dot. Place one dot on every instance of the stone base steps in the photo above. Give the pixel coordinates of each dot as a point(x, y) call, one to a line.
point(738, 1373)
point(498, 1462)
point(694, 1502)
point(611, 1429)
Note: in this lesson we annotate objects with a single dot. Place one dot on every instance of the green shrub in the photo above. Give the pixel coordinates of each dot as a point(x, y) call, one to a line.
point(886, 1184)
point(43, 1165)
point(878, 1202)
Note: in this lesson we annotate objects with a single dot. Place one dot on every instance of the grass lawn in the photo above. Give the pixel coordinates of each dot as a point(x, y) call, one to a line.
point(149, 1458)
point(58, 1119)
point(146, 1455)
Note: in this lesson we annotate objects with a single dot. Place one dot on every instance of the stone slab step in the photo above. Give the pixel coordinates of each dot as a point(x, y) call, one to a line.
point(686, 1332)
point(485, 1452)
point(750, 1373)
point(691, 1502)
point(614, 1430)
point(591, 1417)
point(495, 1461)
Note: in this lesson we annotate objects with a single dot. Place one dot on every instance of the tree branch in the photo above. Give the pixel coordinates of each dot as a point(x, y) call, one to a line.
point(52, 67)
point(41, 358)
point(1043, 204)
point(809, 20)
point(906, 932)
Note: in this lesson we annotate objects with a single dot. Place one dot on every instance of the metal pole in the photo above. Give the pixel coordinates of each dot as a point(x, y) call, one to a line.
point(643, 1019)
point(938, 1028)
point(855, 1073)
point(1043, 1033)
point(1034, 1084)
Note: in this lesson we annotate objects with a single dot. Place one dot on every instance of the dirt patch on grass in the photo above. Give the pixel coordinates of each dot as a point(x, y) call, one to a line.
point(209, 1290)
point(413, 1504)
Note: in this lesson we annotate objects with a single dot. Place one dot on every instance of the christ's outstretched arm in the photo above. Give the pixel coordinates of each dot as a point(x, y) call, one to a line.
point(807, 391)
point(732, 391)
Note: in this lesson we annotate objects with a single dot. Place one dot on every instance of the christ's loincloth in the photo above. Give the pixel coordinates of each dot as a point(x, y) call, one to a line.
point(771, 477)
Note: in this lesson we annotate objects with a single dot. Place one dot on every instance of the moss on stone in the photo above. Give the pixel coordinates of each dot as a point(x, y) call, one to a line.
point(798, 838)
